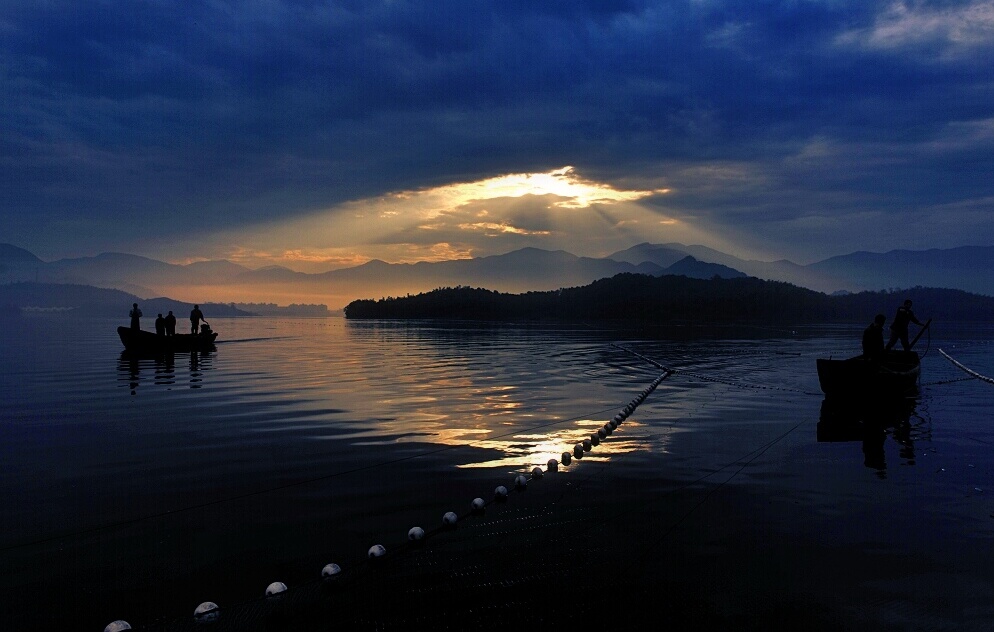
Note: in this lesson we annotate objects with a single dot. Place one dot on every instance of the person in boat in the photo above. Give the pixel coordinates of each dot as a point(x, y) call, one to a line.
point(160, 325)
point(170, 324)
point(873, 338)
point(195, 317)
point(135, 315)
point(899, 327)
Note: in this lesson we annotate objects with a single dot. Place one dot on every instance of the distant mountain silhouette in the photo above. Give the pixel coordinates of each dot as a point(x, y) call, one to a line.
point(522, 270)
point(115, 270)
point(969, 268)
point(781, 270)
point(93, 301)
point(662, 256)
point(694, 269)
point(530, 269)
point(13, 255)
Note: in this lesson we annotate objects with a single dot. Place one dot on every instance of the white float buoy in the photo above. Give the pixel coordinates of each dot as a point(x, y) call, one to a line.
point(537, 472)
point(478, 505)
point(331, 570)
point(276, 588)
point(500, 493)
point(552, 465)
point(566, 458)
point(521, 481)
point(450, 519)
point(117, 626)
point(207, 611)
point(416, 534)
point(377, 550)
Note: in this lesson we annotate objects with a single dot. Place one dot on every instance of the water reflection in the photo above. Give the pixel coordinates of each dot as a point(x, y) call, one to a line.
point(537, 447)
point(870, 423)
point(160, 369)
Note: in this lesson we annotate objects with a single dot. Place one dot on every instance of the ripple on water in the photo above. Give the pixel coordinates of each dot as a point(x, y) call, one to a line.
point(271, 454)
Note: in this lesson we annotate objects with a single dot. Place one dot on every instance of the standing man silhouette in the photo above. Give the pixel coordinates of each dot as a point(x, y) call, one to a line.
point(899, 328)
point(136, 315)
point(170, 324)
point(873, 338)
point(195, 317)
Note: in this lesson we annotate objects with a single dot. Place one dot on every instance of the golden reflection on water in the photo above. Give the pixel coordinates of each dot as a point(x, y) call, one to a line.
point(529, 448)
point(489, 394)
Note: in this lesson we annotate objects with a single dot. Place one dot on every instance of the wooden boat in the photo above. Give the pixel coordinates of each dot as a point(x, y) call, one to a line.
point(895, 373)
point(136, 340)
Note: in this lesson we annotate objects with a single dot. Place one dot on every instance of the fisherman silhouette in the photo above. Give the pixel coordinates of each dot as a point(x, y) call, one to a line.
point(873, 338)
point(135, 315)
point(899, 328)
point(170, 324)
point(195, 317)
point(160, 325)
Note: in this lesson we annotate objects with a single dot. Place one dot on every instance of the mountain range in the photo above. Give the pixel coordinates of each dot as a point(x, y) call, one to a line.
point(530, 269)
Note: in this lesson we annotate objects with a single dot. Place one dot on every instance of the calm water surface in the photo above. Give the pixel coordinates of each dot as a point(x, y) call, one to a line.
point(137, 488)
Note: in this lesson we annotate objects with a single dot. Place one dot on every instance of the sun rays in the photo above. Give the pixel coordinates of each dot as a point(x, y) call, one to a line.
point(555, 209)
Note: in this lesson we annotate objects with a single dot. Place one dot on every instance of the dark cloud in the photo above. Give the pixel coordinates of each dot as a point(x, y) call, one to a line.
point(152, 118)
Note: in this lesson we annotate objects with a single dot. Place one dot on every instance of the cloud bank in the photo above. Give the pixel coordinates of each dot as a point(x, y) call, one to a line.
point(798, 129)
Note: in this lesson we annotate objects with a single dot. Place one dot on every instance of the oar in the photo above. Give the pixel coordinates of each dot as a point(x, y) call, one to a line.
point(924, 327)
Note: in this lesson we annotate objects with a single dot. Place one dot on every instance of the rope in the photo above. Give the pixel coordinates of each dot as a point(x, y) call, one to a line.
point(758, 452)
point(707, 378)
point(752, 455)
point(941, 382)
point(966, 369)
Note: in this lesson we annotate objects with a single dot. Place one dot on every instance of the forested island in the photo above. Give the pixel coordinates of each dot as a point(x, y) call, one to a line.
point(648, 299)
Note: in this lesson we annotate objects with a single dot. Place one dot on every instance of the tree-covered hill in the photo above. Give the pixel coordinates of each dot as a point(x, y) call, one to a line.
point(648, 299)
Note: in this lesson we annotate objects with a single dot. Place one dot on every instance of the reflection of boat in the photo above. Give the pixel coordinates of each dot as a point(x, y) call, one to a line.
point(869, 423)
point(846, 420)
point(894, 374)
point(136, 340)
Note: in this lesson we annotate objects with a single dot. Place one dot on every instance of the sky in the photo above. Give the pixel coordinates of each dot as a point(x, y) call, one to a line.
point(319, 135)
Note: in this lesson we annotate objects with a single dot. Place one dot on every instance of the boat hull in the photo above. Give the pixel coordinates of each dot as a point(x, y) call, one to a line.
point(138, 341)
point(894, 374)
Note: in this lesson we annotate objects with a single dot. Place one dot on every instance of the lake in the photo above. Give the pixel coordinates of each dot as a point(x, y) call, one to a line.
point(138, 488)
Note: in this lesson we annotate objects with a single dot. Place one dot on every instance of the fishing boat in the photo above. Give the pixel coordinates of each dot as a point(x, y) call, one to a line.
point(892, 374)
point(136, 340)
point(895, 373)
